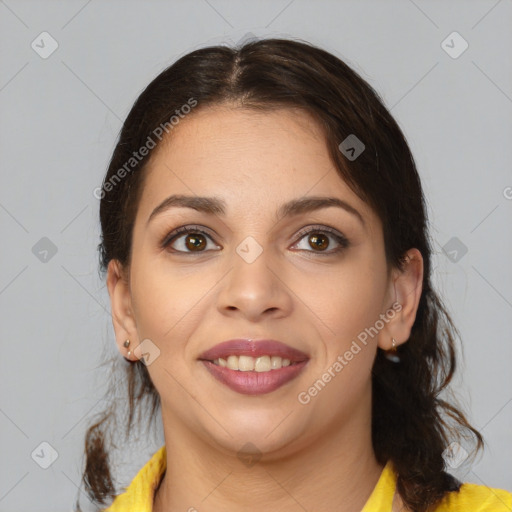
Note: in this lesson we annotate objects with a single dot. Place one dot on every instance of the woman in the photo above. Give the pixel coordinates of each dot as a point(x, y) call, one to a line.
point(265, 241)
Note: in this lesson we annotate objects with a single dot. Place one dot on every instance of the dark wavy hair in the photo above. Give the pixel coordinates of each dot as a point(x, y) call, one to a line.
point(411, 424)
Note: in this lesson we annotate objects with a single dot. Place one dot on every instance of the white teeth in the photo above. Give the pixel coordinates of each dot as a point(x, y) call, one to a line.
point(275, 362)
point(232, 363)
point(247, 363)
point(262, 364)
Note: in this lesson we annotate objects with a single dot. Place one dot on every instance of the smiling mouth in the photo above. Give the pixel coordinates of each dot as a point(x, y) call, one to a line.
point(265, 363)
point(254, 367)
point(254, 382)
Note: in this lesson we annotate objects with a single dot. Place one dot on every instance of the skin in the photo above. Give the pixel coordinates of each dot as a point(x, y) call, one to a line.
point(316, 456)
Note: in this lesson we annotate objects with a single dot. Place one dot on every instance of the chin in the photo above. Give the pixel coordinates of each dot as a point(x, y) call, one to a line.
point(256, 436)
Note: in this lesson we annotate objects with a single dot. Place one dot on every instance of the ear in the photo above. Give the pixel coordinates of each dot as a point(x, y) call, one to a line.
point(404, 293)
point(122, 313)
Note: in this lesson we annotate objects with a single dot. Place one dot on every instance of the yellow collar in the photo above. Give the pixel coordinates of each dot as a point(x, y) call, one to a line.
point(140, 493)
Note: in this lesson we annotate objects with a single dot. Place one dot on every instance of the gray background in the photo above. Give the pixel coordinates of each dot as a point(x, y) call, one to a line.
point(60, 117)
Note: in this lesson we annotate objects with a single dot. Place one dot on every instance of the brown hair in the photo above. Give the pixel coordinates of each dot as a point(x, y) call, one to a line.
point(411, 424)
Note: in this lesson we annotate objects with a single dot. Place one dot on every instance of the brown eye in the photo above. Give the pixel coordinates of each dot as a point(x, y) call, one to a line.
point(195, 241)
point(319, 241)
point(187, 240)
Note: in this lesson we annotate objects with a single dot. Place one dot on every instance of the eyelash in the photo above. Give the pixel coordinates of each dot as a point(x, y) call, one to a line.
point(342, 240)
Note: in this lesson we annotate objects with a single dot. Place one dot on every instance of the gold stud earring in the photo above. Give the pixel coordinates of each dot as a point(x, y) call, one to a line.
point(127, 344)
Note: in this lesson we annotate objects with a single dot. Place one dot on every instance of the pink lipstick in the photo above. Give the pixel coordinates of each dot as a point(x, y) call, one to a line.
point(254, 367)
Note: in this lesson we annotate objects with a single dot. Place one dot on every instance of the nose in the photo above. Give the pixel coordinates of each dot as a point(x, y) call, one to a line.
point(255, 288)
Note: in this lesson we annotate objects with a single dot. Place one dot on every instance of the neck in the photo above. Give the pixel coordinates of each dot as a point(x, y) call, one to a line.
point(336, 471)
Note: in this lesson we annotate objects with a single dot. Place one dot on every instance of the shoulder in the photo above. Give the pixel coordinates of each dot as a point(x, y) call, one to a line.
point(476, 498)
point(139, 495)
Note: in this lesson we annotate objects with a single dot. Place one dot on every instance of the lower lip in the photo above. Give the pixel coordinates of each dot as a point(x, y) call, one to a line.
point(252, 382)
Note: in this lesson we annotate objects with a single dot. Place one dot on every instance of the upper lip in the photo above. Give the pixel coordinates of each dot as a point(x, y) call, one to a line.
point(253, 348)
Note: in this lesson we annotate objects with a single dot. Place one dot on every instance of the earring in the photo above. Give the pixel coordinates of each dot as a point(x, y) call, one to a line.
point(127, 344)
point(392, 353)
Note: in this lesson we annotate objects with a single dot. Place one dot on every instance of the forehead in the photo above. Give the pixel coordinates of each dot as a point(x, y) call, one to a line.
point(252, 159)
point(224, 134)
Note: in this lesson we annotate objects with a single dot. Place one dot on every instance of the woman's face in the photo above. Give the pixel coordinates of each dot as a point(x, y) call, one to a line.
point(256, 274)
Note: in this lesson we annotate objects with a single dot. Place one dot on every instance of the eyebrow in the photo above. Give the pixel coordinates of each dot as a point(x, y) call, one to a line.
point(217, 206)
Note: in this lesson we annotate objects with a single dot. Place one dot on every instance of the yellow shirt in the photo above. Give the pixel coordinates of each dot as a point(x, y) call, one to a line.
point(470, 498)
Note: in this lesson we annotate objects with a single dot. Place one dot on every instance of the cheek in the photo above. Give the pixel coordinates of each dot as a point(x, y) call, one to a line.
point(346, 300)
point(166, 304)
